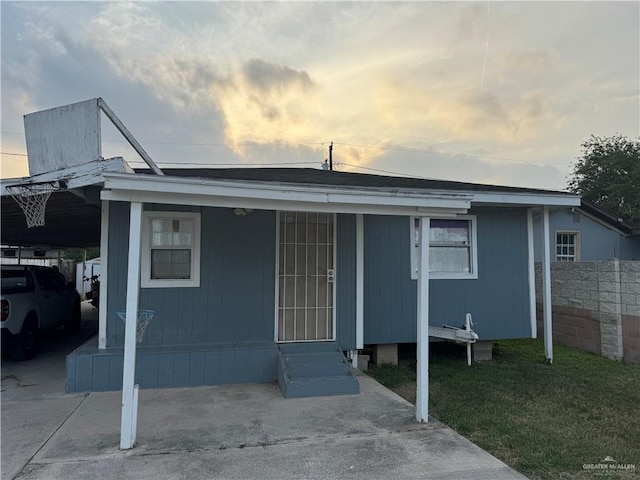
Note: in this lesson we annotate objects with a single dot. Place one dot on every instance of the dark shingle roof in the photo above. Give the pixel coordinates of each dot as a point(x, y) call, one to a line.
point(311, 176)
point(607, 216)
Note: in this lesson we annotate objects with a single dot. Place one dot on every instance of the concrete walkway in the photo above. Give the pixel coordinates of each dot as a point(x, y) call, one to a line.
point(225, 432)
point(236, 432)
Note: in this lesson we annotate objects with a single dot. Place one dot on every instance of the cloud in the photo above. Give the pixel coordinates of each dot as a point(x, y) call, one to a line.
point(536, 61)
point(469, 25)
point(272, 78)
point(386, 74)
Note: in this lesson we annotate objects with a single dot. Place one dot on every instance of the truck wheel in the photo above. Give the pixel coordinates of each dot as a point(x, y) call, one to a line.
point(75, 322)
point(27, 339)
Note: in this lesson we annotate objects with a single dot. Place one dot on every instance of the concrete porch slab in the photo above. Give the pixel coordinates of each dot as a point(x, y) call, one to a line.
point(251, 431)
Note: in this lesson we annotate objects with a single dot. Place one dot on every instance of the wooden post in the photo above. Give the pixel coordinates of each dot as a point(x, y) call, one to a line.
point(104, 260)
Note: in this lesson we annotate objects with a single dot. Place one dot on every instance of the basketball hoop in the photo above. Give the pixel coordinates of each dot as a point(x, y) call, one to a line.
point(144, 317)
point(32, 198)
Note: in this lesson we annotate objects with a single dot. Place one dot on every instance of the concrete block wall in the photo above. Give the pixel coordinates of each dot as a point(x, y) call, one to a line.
point(630, 310)
point(595, 298)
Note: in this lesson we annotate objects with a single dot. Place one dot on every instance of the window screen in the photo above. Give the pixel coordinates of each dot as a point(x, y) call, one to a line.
point(171, 245)
point(450, 246)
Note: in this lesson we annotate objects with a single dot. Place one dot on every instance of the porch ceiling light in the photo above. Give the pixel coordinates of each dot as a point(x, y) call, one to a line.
point(241, 212)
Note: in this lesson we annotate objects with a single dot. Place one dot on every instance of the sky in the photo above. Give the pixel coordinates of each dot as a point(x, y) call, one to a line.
point(486, 92)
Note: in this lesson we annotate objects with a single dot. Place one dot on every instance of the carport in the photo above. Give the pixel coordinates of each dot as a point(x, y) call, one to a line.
point(71, 221)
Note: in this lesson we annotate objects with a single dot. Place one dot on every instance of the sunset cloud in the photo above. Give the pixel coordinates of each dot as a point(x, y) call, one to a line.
point(526, 82)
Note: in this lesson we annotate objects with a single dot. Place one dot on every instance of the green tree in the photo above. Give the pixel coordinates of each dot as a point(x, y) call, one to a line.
point(608, 173)
point(77, 254)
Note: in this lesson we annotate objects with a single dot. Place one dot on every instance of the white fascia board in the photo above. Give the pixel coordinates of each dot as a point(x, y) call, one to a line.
point(280, 205)
point(238, 194)
point(77, 176)
point(346, 195)
point(526, 199)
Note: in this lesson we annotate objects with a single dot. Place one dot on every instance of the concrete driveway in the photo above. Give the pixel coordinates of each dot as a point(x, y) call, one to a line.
point(230, 432)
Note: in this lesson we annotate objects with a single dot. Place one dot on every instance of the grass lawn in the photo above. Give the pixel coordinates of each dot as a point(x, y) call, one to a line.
point(546, 421)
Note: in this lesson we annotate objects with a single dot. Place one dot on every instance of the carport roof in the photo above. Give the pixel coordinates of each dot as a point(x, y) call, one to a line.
point(69, 222)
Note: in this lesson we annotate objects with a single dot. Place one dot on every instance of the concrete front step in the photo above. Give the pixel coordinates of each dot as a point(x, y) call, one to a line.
point(317, 369)
point(317, 357)
point(314, 369)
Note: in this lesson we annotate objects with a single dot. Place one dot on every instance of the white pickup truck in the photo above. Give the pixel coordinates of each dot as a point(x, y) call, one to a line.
point(34, 298)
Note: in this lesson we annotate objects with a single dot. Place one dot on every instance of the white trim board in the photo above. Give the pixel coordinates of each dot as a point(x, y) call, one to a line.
point(263, 191)
point(90, 173)
point(286, 204)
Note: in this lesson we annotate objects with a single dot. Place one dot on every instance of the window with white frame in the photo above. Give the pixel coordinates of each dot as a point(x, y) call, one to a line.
point(452, 247)
point(170, 250)
point(567, 246)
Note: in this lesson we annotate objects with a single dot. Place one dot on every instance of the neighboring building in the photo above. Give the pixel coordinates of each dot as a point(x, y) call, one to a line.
point(595, 301)
point(589, 233)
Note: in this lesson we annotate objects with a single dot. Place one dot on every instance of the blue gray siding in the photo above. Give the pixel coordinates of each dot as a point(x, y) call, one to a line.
point(236, 298)
point(90, 369)
point(389, 292)
point(346, 282)
point(498, 299)
point(223, 330)
point(597, 242)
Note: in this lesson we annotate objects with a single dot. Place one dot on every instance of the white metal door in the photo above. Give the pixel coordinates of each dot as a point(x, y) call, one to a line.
point(305, 269)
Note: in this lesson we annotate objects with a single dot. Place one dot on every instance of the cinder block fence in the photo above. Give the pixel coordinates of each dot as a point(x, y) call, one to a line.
point(596, 306)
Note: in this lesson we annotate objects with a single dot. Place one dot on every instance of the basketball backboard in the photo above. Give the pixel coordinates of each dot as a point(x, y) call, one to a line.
point(63, 137)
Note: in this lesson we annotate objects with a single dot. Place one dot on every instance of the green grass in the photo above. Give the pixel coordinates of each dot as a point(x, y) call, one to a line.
point(546, 421)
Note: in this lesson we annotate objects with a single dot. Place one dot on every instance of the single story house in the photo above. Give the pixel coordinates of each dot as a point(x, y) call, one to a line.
point(258, 275)
point(237, 262)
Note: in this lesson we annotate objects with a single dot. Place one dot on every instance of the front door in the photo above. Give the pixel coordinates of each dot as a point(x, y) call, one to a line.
point(305, 269)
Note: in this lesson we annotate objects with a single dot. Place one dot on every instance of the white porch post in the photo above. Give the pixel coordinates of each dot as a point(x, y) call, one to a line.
point(129, 397)
point(422, 374)
point(359, 282)
point(546, 286)
point(532, 275)
point(104, 260)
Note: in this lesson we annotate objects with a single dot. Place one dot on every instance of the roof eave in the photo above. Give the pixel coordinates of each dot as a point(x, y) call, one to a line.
point(270, 195)
point(189, 190)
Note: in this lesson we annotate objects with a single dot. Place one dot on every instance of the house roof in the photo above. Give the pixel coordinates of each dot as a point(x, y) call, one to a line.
point(72, 220)
point(607, 217)
point(319, 190)
point(313, 176)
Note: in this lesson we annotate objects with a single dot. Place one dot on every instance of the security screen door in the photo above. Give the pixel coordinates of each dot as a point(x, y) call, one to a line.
point(306, 287)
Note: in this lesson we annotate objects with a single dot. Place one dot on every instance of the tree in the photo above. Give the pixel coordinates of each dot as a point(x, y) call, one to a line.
point(77, 254)
point(608, 173)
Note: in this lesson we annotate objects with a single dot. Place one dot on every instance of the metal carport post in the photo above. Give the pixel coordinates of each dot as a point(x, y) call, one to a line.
point(422, 347)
